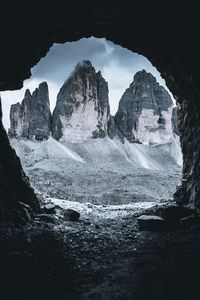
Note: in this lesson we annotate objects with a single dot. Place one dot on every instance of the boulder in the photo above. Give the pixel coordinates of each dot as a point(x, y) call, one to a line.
point(152, 223)
point(71, 215)
point(50, 208)
point(174, 212)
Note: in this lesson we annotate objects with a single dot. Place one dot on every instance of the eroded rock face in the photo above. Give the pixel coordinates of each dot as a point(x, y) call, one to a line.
point(175, 121)
point(31, 118)
point(145, 111)
point(82, 110)
point(17, 198)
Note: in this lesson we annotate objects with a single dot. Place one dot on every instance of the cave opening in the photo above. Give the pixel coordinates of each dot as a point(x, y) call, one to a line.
point(96, 131)
point(99, 262)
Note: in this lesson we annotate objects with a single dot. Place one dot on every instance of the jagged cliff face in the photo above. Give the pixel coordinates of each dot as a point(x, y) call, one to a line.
point(82, 110)
point(145, 111)
point(31, 118)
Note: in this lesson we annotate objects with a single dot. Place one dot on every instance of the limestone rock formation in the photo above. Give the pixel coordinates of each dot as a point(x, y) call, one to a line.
point(31, 118)
point(145, 111)
point(82, 110)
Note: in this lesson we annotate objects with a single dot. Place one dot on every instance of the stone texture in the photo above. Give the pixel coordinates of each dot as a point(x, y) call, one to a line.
point(82, 109)
point(112, 129)
point(50, 208)
point(143, 108)
point(71, 215)
point(17, 198)
point(152, 223)
point(175, 212)
point(190, 221)
point(31, 118)
point(175, 120)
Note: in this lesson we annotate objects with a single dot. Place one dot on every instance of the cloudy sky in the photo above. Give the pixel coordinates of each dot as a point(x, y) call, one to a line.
point(118, 66)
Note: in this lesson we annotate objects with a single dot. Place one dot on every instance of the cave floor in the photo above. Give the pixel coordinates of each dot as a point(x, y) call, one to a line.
point(108, 261)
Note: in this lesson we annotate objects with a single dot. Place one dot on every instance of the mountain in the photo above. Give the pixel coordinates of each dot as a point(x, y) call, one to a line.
point(31, 118)
point(86, 155)
point(82, 112)
point(82, 109)
point(145, 111)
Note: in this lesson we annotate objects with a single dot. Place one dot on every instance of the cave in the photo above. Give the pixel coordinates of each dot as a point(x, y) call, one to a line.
point(170, 43)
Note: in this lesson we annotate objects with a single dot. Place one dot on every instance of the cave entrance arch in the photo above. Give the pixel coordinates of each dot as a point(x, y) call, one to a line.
point(164, 45)
point(125, 189)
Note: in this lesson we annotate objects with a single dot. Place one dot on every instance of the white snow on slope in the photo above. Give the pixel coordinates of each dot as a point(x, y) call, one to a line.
point(112, 172)
point(173, 147)
point(96, 151)
point(44, 150)
point(54, 146)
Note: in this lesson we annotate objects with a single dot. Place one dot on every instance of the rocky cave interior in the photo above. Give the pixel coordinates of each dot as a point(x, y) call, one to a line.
point(172, 47)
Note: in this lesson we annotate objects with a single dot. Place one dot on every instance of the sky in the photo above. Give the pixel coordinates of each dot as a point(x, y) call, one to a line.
point(117, 65)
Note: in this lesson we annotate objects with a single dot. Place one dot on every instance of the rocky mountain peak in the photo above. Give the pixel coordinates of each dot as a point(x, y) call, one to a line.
point(86, 64)
point(27, 93)
point(82, 109)
point(144, 77)
point(144, 111)
point(31, 118)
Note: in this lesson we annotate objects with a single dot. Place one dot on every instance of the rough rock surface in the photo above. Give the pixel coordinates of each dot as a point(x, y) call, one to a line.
point(144, 111)
point(31, 118)
point(175, 120)
point(154, 223)
point(82, 109)
point(71, 215)
point(15, 190)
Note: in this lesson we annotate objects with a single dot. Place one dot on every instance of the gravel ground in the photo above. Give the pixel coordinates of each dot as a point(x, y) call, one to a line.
point(65, 260)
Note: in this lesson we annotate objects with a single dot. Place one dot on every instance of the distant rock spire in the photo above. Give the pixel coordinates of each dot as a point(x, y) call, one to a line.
point(31, 118)
point(144, 111)
point(82, 109)
point(27, 93)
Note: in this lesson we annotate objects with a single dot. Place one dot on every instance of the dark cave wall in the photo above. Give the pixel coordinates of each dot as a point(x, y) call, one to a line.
point(161, 34)
point(15, 191)
point(189, 124)
point(182, 76)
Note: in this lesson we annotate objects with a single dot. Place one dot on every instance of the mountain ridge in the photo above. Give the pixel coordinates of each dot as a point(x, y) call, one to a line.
point(145, 112)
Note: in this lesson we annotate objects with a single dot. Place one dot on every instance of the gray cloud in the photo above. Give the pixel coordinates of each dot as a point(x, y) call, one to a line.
point(62, 58)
